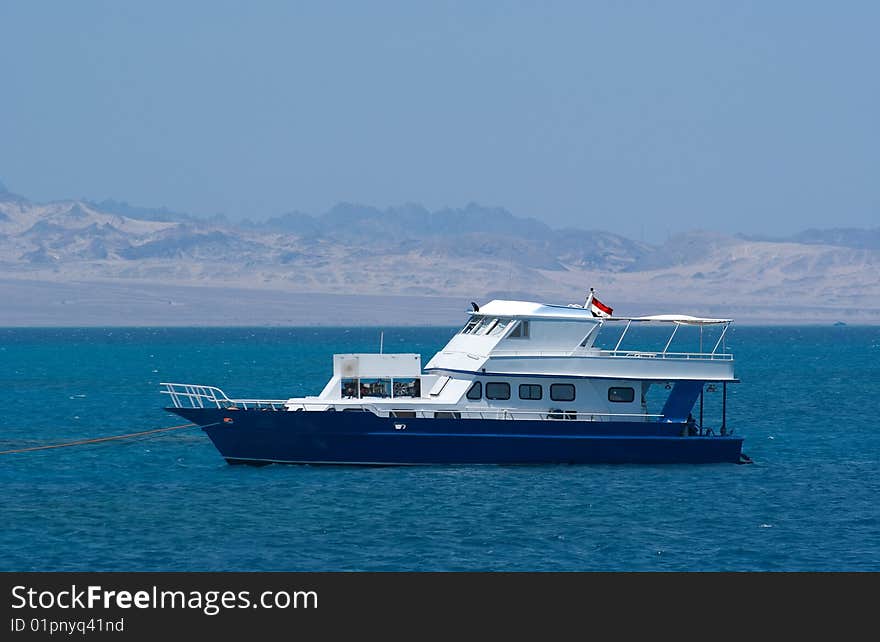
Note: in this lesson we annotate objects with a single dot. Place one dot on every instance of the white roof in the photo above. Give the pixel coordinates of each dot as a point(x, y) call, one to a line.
point(528, 309)
point(531, 310)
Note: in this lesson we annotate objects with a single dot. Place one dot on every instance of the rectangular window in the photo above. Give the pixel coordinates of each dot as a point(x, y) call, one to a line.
point(476, 391)
point(562, 392)
point(499, 390)
point(350, 389)
point(520, 330)
point(375, 387)
point(621, 395)
point(407, 388)
point(404, 414)
point(530, 391)
point(446, 414)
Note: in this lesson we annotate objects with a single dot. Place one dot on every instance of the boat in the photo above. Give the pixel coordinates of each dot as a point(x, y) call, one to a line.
point(520, 383)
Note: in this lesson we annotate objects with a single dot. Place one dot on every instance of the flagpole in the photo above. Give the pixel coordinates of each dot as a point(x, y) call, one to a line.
point(589, 299)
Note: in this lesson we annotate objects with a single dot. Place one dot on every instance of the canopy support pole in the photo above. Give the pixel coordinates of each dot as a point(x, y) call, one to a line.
point(622, 334)
point(721, 338)
point(671, 337)
point(724, 408)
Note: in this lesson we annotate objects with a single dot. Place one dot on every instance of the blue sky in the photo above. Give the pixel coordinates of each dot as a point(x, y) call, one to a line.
point(642, 118)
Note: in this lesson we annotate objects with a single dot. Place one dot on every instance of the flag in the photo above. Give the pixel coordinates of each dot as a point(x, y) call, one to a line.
point(599, 309)
point(595, 306)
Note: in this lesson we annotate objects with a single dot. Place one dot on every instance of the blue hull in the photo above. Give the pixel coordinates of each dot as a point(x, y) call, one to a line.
point(362, 438)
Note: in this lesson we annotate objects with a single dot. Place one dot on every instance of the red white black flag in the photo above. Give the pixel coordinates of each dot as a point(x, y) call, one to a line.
point(595, 306)
point(599, 309)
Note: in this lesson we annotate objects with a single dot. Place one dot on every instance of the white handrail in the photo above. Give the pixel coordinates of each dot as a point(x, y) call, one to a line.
point(188, 395)
point(618, 354)
point(467, 413)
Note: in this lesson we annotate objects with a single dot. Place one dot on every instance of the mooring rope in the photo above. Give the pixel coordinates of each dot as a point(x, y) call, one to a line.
point(83, 442)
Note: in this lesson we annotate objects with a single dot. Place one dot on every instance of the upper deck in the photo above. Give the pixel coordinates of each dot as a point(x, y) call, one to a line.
point(532, 339)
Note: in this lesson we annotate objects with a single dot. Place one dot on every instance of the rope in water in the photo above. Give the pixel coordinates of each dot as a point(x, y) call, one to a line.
point(83, 442)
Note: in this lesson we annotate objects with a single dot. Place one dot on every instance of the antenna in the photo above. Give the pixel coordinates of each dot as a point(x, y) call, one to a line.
point(381, 341)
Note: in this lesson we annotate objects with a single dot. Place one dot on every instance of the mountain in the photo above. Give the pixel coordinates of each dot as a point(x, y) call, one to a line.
point(862, 239)
point(8, 197)
point(470, 252)
point(472, 231)
point(122, 208)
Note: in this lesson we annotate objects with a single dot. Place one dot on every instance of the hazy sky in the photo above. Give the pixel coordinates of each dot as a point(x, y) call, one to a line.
point(642, 118)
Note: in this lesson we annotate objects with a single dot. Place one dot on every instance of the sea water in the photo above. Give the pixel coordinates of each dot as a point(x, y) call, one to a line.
point(807, 407)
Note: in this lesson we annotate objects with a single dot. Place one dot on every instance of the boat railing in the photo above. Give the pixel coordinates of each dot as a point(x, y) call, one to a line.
point(537, 353)
point(188, 395)
point(471, 413)
point(555, 413)
point(632, 354)
point(639, 354)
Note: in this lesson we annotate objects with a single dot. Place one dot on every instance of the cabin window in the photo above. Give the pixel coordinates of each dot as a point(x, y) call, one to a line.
point(447, 414)
point(407, 388)
point(350, 389)
point(520, 330)
point(473, 326)
point(499, 390)
point(486, 326)
point(469, 326)
point(562, 392)
point(499, 328)
point(480, 325)
point(375, 388)
point(476, 391)
point(404, 414)
point(621, 395)
point(530, 391)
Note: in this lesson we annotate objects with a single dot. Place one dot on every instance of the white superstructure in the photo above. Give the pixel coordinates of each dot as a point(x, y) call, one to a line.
point(523, 360)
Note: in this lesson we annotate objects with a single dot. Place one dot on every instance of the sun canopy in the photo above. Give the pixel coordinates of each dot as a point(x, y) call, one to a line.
point(681, 318)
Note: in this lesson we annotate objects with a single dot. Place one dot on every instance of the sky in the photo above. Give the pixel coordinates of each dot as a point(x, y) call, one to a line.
point(642, 118)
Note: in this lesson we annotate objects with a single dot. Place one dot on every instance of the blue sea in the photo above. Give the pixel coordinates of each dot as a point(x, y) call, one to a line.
point(807, 406)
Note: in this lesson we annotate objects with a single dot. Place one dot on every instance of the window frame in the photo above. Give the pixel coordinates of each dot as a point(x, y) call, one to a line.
point(521, 330)
point(553, 397)
point(497, 383)
point(499, 328)
point(632, 396)
point(479, 386)
point(531, 386)
point(470, 325)
point(486, 330)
